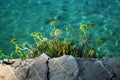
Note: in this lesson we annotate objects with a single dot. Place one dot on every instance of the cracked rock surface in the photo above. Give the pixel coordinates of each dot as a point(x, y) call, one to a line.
point(65, 67)
point(33, 69)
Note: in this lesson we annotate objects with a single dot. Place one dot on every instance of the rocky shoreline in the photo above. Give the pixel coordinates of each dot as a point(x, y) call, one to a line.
point(65, 67)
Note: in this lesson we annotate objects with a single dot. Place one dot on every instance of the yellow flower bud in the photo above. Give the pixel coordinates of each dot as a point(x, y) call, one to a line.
point(17, 50)
point(66, 28)
point(83, 27)
point(53, 22)
point(38, 34)
point(14, 41)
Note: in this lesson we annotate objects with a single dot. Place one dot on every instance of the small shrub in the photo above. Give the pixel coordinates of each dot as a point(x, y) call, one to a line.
point(79, 45)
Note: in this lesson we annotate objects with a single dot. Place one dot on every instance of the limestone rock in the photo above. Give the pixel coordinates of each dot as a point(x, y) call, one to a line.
point(92, 69)
point(113, 65)
point(63, 68)
point(41, 65)
point(6, 73)
point(70, 68)
point(33, 69)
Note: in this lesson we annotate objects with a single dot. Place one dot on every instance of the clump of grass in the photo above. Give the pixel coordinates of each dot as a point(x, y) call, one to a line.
point(79, 45)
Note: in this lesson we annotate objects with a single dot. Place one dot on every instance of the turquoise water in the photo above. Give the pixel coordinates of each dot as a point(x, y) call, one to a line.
point(18, 18)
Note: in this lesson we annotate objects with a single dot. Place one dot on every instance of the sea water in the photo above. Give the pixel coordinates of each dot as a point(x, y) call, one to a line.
point(18, 18)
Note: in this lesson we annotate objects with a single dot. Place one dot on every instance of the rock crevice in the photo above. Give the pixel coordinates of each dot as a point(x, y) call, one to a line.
point(48, 70)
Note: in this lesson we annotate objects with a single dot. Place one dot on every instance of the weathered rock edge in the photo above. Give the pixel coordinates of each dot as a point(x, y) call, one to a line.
point(65, 67)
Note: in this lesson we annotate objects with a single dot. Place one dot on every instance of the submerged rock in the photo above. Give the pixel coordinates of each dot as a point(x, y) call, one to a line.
point(65, 67)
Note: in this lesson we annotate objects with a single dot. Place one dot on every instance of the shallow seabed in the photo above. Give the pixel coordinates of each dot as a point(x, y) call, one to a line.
point(18, 18)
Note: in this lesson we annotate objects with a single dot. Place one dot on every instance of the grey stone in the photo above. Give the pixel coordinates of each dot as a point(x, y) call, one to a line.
point(70, 68)
point(113, 65)
point(32, 69)
point(26, 72)
point(92, 69)
point(41, 65)
point(63, 68)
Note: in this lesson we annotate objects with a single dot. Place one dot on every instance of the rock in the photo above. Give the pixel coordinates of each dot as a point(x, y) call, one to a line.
point(41, 65)
point(65, 67)
point(33, 69)
point(113, 65)
point(70, 68)
point(6, 73)
point(92, 69)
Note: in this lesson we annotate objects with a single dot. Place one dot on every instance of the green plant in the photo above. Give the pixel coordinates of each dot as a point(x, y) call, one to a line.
point(4, 56)
point(79, 46)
